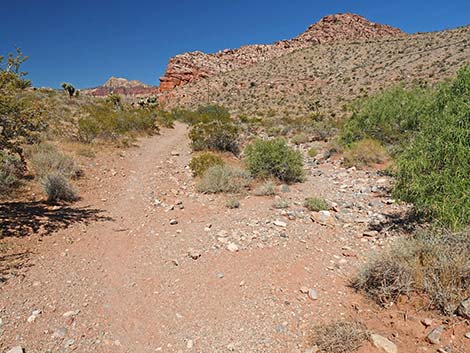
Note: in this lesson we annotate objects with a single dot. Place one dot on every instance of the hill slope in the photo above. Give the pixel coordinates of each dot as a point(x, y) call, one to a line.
point(190, 67)
point(329, 75)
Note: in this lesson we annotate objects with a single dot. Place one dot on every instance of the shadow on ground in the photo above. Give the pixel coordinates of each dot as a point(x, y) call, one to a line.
point(403, 222)
point(18, 219)
point(10, 264)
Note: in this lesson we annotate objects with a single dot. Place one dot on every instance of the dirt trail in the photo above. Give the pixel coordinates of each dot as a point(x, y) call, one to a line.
point(130, 281)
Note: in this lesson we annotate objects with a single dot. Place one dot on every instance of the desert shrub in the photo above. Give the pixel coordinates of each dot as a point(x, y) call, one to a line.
point(58, 188)
point(391, 116)
point(199, 164)
point(21, 116)
point(165, 119)
point(232, 203)
point(105, 121)
point(214, 135)
point(280, 204)
point(46, 159)
point(268, 188)
point(203, 114)
point(339, 337)
point(11, 169)
point(265, 158)
point(316, 204)
point(433, 170)
point(433, 262)
point(364, 153)
point(299, 139)
point(223, 178)
point(312, 152)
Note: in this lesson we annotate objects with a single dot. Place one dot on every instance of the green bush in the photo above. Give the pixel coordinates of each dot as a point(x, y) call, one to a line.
point(391, 116)
point(214, 135)
point(11, 169)
point(315, 204)
point(223, 178)
point(58, 188)
point(46, 159)
point(105, 121)
point(274, 158)
point(199, 164)
point(312, 152)
point(433, 170)
point(435, 263)
point(364, 153)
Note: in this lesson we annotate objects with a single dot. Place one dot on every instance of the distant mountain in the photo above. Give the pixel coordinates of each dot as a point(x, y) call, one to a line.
point(189, 67)
point(121, 86)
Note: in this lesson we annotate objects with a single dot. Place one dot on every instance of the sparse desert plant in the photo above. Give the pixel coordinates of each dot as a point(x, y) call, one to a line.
point(266, 158)
point(11, 169)
point(46, 159)
point(200, 163)
point(223, 178)
point(432, 262)
point(339, 337)
point(280, 203)
point(299, 139)
point(267, 188)
point(214, 135)
point(364, 153)
point(312, 152)
point(232, 203)
point(316, 204)
point(58, 188)
point(433, 170)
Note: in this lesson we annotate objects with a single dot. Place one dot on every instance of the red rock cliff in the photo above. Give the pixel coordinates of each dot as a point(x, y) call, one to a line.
point(188, 67)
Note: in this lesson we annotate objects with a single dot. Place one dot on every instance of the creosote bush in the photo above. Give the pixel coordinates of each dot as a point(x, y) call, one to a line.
point(214, 135)
point(199, 164)
point(274, 158)
point(108, 122)
point(223, 178)
point(432, 262)
point(364, 153)
point(315, 204)
point(433, 171)
point(58, 188)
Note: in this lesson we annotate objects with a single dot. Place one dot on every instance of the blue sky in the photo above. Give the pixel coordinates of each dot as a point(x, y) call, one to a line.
point(85, 41)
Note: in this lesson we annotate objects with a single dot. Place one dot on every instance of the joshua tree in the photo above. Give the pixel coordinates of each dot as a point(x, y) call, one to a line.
point(70, 89)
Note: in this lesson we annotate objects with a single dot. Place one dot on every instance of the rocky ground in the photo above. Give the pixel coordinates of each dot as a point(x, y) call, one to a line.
point(144, 263)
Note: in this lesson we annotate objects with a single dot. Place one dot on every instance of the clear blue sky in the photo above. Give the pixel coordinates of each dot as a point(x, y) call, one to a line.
point(85, 41)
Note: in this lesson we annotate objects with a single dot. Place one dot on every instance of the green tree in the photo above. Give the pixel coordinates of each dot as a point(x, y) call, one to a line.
point(20, 114)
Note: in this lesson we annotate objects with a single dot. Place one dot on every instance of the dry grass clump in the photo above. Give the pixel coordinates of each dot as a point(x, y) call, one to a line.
point(433, 262)
point(232, 203)
point(223, 178)
point(58, 188)
point(268, 188)
point(199, 164)
point(316, 204)
point(47, 159)
point(365, 153)
point(339, 337)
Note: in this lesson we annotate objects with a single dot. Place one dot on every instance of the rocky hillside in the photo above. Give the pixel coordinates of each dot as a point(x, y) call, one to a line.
point(328, 75)
point(189, 67)
point(121, 86)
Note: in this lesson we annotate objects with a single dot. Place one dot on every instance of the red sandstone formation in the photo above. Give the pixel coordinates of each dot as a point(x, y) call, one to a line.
point(188, 67)
point(122, 86)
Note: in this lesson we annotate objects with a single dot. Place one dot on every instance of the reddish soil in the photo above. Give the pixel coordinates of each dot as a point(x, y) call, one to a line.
point(124, 277)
